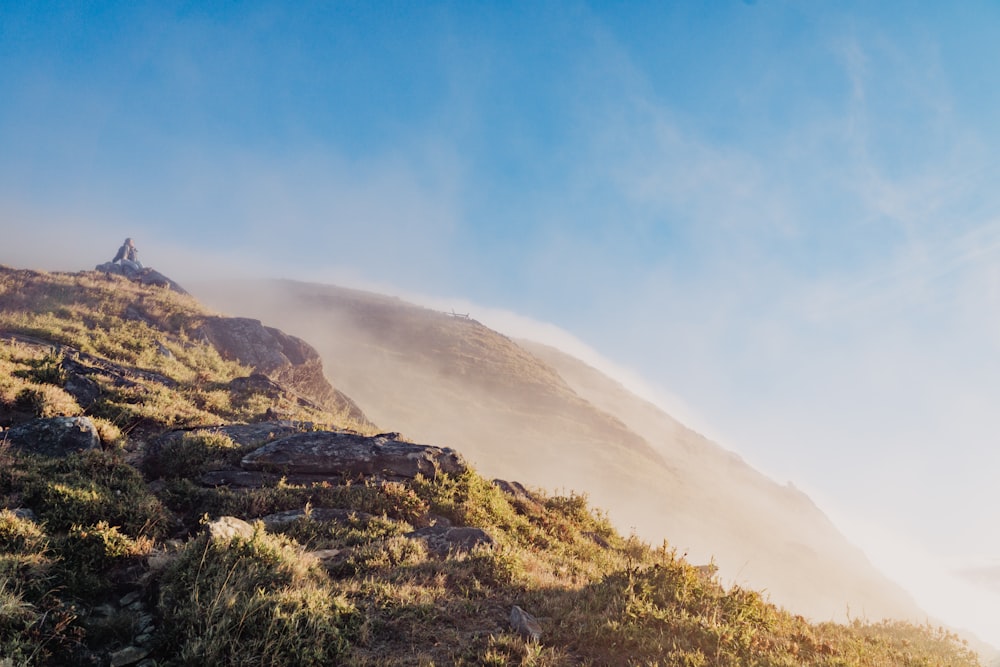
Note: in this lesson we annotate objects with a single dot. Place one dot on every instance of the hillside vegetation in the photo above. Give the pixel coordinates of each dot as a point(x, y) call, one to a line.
point(107, 557)
point(523, 411)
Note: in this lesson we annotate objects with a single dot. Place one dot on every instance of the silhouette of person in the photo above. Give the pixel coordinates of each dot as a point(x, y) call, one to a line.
point(128, 255)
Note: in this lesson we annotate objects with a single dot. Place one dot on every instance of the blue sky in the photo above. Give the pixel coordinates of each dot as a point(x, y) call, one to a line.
point(783, 212)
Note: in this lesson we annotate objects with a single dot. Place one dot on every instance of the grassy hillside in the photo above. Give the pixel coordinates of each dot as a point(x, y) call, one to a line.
point(104, 556)
point(533, 414)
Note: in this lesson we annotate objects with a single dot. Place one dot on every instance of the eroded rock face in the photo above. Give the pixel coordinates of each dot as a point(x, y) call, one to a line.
point(55, 436)
point(287, 360)
point(350, 454)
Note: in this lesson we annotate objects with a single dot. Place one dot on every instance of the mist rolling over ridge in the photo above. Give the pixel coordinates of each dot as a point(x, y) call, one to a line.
point(527, 412)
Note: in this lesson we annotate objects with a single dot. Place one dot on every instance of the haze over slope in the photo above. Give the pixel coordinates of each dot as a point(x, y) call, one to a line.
point(533, 414)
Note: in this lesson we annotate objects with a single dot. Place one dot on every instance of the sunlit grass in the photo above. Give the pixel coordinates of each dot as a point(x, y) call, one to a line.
point(380, 597)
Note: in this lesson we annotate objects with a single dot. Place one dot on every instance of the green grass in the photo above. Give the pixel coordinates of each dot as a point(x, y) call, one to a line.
point(252, 601)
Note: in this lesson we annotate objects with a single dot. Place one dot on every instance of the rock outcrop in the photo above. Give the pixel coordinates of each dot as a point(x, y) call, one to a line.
point(55, 436)
point(144, 276)
point(287, 360)
point(345, 454)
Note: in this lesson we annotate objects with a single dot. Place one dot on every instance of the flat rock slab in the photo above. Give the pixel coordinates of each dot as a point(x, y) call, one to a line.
point(442, 540)
point(350, 454)
point(55, 436)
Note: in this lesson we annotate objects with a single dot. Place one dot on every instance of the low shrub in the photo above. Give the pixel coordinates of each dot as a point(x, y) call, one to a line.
point(87, 488)
point(253, 601)
point(87, 555)
point(190, 454)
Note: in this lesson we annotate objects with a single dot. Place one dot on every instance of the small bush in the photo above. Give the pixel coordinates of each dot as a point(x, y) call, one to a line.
point(111, 436)
point(356, 530)
point(87, 554)
point(16, 616)
point(381, 554)
point(19, 535)
point(87, 488)
point(252, 601)
point(192, 453)
point(24, 554)
point(47, 401)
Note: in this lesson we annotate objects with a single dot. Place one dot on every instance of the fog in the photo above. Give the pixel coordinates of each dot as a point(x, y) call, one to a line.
point(573, 430)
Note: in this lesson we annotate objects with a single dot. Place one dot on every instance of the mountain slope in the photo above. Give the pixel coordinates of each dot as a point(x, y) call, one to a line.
point(129, 543)
point(530, 413)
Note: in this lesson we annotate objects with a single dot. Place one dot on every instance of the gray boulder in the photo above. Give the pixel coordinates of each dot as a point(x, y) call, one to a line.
point(525, 624)
point(442, 540)
point(349, 454)
point(227, 527)
point(55, 436)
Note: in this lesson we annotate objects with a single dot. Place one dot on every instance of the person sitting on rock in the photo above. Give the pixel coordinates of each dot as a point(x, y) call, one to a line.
point(128, 256)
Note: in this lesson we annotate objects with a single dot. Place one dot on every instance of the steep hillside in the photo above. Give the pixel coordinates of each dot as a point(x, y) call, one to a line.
point(135, 455)
point(547, 420)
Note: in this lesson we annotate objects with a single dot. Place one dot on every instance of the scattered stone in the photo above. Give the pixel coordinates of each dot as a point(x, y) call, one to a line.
point(227, 527)
point(525, 624)
point(156, 486)
point(25, 513)
point(129, 599)
point(159, 560)
point(442, 540)
point(323, 555)
point(128, 656)
point(350, 454)
point(144, 621)
point(55, 436)
point(103, 611)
